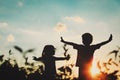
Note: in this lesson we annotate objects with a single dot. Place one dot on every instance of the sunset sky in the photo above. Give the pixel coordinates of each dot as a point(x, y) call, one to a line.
point(35, 23)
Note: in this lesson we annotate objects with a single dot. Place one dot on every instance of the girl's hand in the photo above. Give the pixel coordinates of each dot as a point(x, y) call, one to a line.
point(34, 58)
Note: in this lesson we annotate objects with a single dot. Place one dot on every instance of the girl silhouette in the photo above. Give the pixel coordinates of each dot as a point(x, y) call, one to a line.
point(49, 59)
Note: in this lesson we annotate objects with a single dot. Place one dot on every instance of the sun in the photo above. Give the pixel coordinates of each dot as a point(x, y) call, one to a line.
point(94, 71)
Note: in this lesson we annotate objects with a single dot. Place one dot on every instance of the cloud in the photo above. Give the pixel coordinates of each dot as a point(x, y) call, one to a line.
point(20, 4)
point(3, 24)
point(10, 38)
point(60, 27)
point(76, 19)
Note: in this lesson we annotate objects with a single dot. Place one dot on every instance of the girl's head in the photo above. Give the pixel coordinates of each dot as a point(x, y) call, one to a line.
point(87, 38)
point(48, 50)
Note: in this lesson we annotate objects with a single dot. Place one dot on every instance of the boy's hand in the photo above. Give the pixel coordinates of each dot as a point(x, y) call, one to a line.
point(68, 57)
point(62, 40)
point(110, 38)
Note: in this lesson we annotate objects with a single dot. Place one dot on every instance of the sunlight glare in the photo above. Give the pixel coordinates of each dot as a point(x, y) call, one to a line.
point(94, 70)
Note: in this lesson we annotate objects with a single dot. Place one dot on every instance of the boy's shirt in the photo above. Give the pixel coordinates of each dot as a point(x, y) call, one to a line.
point(84, 53)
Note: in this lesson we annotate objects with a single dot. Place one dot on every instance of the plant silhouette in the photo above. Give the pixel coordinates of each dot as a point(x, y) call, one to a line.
point(23, 52)
point(1, 57)
point(11, 71)
point(10, 52)
point(114, 52)
point(65, 72)
point(18, 48)
point(64, 47)
point(104, 75)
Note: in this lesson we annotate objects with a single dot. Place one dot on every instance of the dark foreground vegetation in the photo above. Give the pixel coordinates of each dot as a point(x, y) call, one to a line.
point(9, 69)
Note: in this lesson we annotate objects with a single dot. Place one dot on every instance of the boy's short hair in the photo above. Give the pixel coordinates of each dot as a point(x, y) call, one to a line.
point(87, 38)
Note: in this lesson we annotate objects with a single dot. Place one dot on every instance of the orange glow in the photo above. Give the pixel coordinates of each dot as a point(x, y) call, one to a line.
point(94, 71)
point(87, 70)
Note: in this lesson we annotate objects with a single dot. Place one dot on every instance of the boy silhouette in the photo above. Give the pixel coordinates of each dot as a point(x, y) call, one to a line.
point(49, 59)
point(85, 53)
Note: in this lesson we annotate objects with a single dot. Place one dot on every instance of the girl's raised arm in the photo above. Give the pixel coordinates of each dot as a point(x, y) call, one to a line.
point(63, 58)
point(36, 59)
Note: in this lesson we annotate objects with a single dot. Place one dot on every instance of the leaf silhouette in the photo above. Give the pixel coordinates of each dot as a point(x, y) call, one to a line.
point(115, 72)
point(98, 65)
point(26, 61)
point(69, 70)
point(10, 52)
point(19, 49)
point(112, 76)
point(109, 62)
point(114, 52)
point(64, 47)
point(115, 63)
point(1, 57)
point(30, 50)
point(30, 69)
point(72, 65)
point(105, 65)
point(62, 69)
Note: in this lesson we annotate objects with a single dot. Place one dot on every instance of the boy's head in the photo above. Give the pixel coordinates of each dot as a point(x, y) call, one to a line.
point(48, 50)
point(87, 38)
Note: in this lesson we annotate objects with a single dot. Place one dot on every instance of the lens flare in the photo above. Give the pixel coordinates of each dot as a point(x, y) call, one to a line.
point(94, 70)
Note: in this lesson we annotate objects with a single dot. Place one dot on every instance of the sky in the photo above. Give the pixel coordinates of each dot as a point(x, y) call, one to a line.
point(36, 23)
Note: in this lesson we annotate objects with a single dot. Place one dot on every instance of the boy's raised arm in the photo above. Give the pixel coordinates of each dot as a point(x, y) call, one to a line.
point(105, 42)
point(66, 42)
